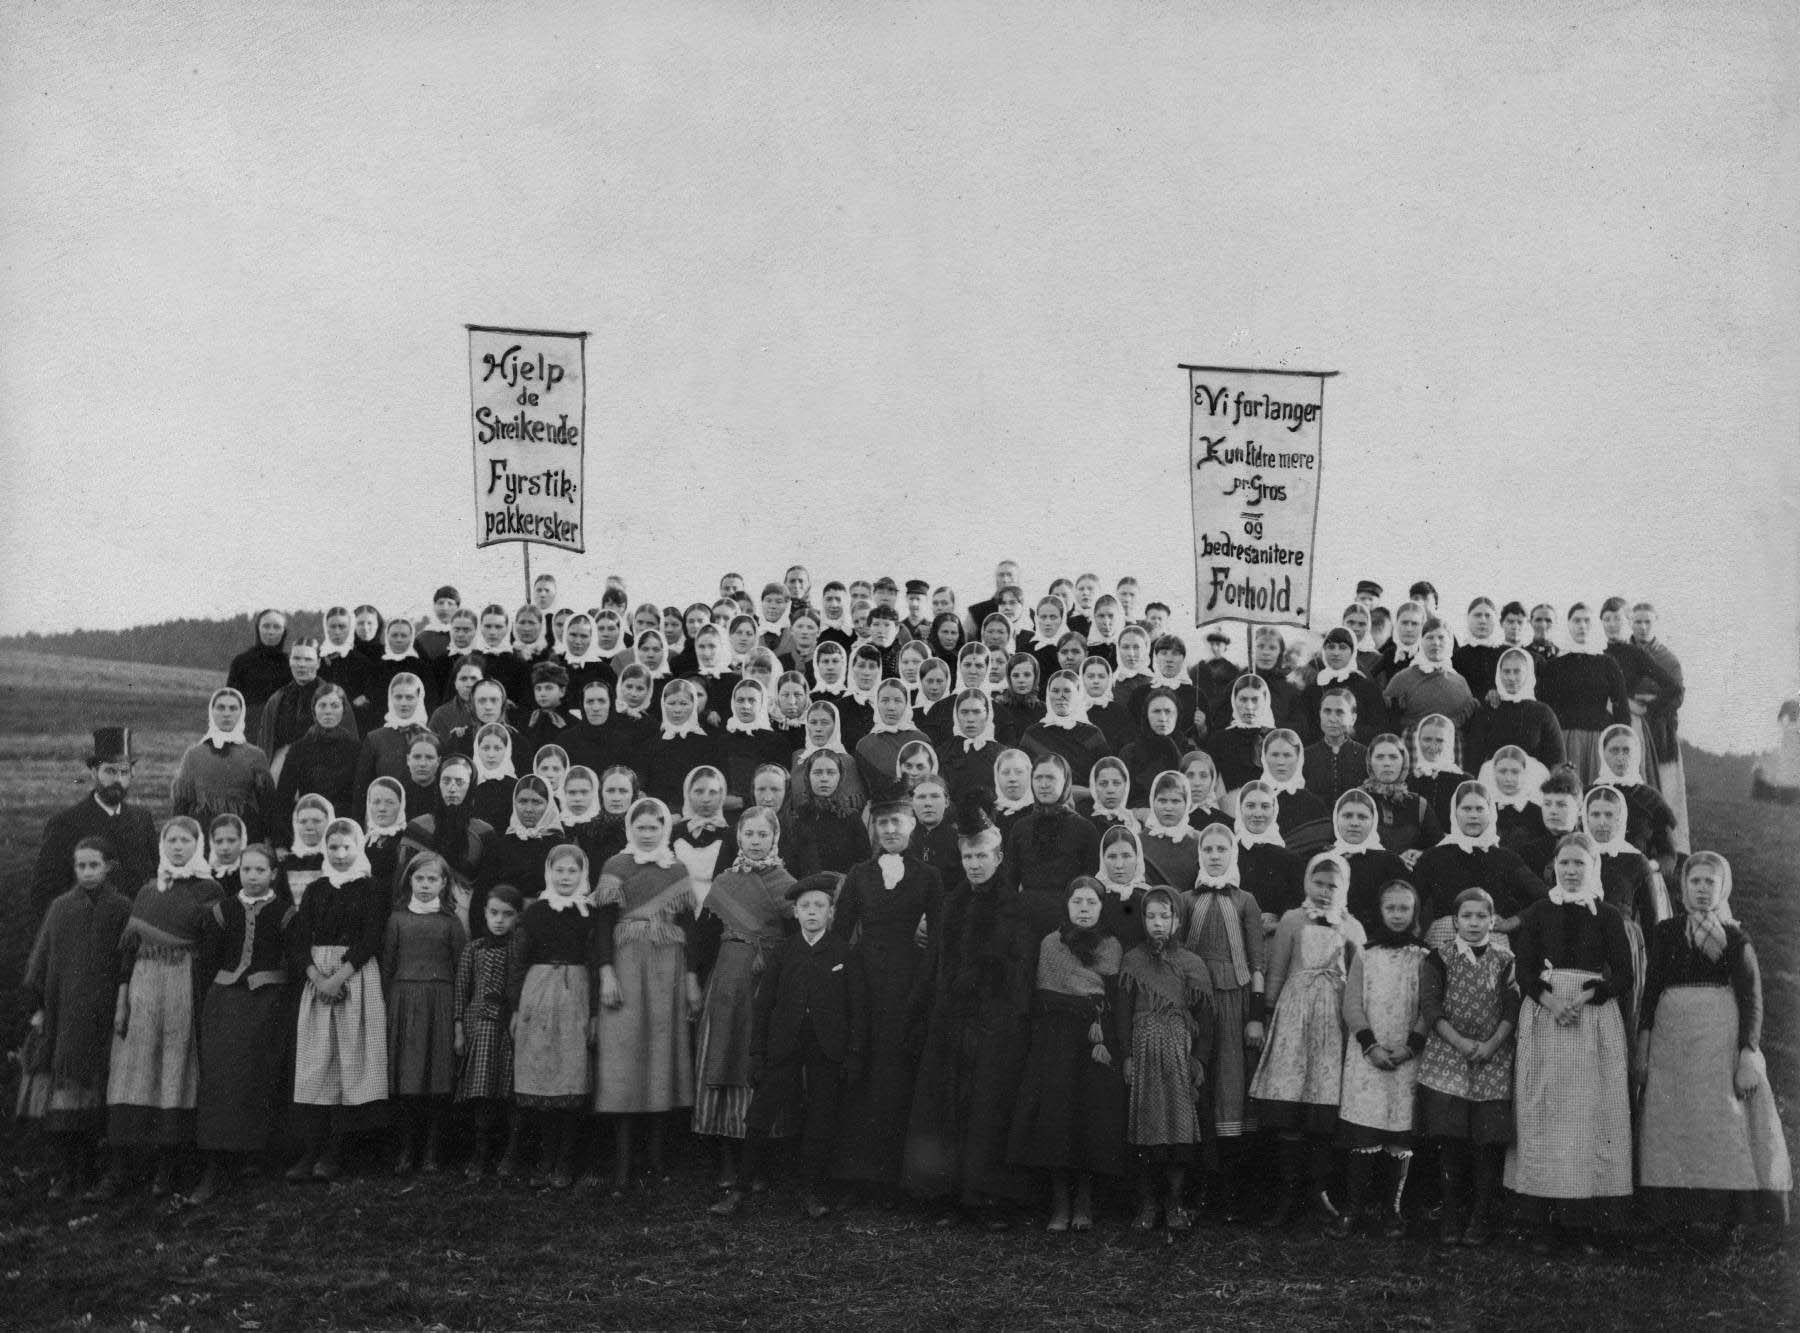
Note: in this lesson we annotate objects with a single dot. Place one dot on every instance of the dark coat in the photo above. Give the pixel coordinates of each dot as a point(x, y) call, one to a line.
point(808, 983)
point(132, 833)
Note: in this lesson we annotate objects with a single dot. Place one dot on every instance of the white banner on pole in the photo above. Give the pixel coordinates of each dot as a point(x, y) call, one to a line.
point(1253, 466)
point(528, 412)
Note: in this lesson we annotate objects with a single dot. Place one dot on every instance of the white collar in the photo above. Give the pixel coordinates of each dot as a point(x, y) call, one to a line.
point(672, 731)
point(1328, 677)
point(220, 739)
point(1481, 842)
point(427, 909)
point(1293, 784)
point(662, 856)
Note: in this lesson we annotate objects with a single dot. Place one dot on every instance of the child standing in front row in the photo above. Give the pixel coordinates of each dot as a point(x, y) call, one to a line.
point(69, 984)
point(483, 1035)
point(1300, 1079)
point(419, 953)
point(243, 1050)
point(1165, 1024)
point(805, 1037)
point(1381, 1011)
point(1469, 1005)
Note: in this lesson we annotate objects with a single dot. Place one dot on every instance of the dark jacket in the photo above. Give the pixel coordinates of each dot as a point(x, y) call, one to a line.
point(808, 982)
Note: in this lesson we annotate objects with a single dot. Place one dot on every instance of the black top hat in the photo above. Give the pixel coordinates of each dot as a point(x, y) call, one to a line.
point(112, 745)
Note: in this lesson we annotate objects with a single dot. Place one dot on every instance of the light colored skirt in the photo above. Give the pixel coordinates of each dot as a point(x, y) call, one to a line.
point(551, 1065)
point(153, 1077)
point(646, 1044)
point(340, 1050)
point(1303, 1058)
point(1571, 1102)
point(1697, 1133)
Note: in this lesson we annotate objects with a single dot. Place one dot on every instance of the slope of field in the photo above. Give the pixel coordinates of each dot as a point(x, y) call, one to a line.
point(371, 1251)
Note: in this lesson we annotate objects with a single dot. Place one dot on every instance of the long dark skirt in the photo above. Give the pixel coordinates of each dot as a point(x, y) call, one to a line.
point(243, 1069)
point(962, 1108)
point(872, 1128)
point(1070, 1114)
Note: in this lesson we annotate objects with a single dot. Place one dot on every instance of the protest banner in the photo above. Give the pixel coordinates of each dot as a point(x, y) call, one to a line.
point(1253, 466)
point(528, 411)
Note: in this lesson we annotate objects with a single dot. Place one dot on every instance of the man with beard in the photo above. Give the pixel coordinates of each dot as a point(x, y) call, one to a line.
point(103, 812)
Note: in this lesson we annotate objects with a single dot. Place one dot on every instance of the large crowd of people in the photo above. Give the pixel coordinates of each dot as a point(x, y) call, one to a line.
point(977, 907)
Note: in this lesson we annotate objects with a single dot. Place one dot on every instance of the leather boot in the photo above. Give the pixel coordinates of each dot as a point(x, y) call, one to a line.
point(1393, 1220)
point(515, 1132)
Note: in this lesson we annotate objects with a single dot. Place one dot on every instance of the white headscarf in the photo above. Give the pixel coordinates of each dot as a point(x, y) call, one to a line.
point(1531, 783)
point(220, 739)
point(692, 727)
point(1269, 837)
point(1591, 893)
point(1076, 714)
point(1180, 831)
point(1527, 685)
point(986, 735)
point(398, 825)
point(582, 900)
point(760, 722)
point(1427, 768)
point(397, 720)
point(359, 865)
point(1089, 700)
point(1264, 717)
point(1633, 775)
point(299, 845)
point(1485, 840)
point(1372, 843)
point(1706, 930)
point(1296, 781)
point(831, 653)
point(881, 728)
point(569, 818)
point(1121, 833)
point(1335, 913)
point(504, 769)
point(661, 855)
point(195, 867)
point(591, 655)
point(551, 820)
point(695, 823)
point(1595, 643)
point(555, 784)
point(1615, 845)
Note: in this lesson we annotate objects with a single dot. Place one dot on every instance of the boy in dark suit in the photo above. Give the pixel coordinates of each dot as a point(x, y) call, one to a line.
point(805, 1043)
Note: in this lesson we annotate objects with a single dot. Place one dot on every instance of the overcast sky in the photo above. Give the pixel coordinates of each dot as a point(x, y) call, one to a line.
point(902, 288)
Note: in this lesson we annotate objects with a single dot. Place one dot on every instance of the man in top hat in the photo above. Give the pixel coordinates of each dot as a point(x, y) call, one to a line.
point(103, 812)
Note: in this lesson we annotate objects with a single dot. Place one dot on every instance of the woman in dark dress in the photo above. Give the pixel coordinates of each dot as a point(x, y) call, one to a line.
point(1470, 856)
point(747, 742)
point(681, 746)
point(516, 857)
point(1305, 819)
point(1019, 706)
point(1101, 708)
point(879, 907)
point(934, 707)
point(1237, 747)
point(1049, 846)
point(400, 656)
point(1649, 824)
point(827, 829)
point(1515, 782)
point(967, 759)
point(1062, 730)
point(1408, 824)
point(1512, 715)
point(1356, 823)
point(1587, 690)
point(1109, 789)
point(322, 761)
point(1158, 748)
point(1267, 870)
point(262, 668)
point(1436, 770)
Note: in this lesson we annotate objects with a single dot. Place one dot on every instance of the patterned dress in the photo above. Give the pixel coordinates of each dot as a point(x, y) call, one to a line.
point(1475, 993)
point(750, 907)
point(1165, 1019)
point(483, 980)
point(1300, 1079)
point(1381, 993)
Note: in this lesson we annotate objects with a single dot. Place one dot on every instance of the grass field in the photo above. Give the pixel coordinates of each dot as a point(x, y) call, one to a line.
point(372, 1252)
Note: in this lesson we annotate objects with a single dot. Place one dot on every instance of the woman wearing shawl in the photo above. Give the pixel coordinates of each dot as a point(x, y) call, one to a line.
point(1123, 879)
point(1224, 929)
point(1510, 714)
point(262, 668)
point(557, 947)
point(741, 922)
point(934, 706)
point(222, 773)
point(1267, 870)
point(383, 753)
point(1650, 824)
point(1064, 730)
point(681, 745)
point(1571, 1100)
point(1236, 747)
point(1470, 857)
point(968, 1017)
point(454, 833)
point(967, 759)
point(1101, 708)
point(890, 731)
point(1436, 774)
point(384, 824)
point(1305, 818)
point(1710, 1138)
point(1048, 846)
point(1109, 785)
point(1515, 783)
point(1070, 1116)
point(1156, 749)
point(1355, 824)
point(703, 840)
point(1298, 1082)
point(516, 856)
point(1587, 690)
point(1407, 822)
point(341, 1056)
point(153, 1074)
point(342, 665)
point(1171, 843)
point(646, 1058)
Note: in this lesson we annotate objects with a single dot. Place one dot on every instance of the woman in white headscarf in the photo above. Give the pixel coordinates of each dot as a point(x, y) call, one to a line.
point(222, 773)
point(1511, 714)
point(1589, 693)
point(1710, 1134)
point(1572, 1159)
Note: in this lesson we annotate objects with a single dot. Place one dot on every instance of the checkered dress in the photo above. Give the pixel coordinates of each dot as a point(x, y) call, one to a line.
point(1570, 1101)
point(481, 987)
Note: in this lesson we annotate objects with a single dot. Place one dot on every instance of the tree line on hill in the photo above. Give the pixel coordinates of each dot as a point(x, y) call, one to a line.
point(188, 642)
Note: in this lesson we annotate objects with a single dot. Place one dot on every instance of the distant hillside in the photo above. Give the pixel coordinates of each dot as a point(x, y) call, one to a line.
point(207, 644)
